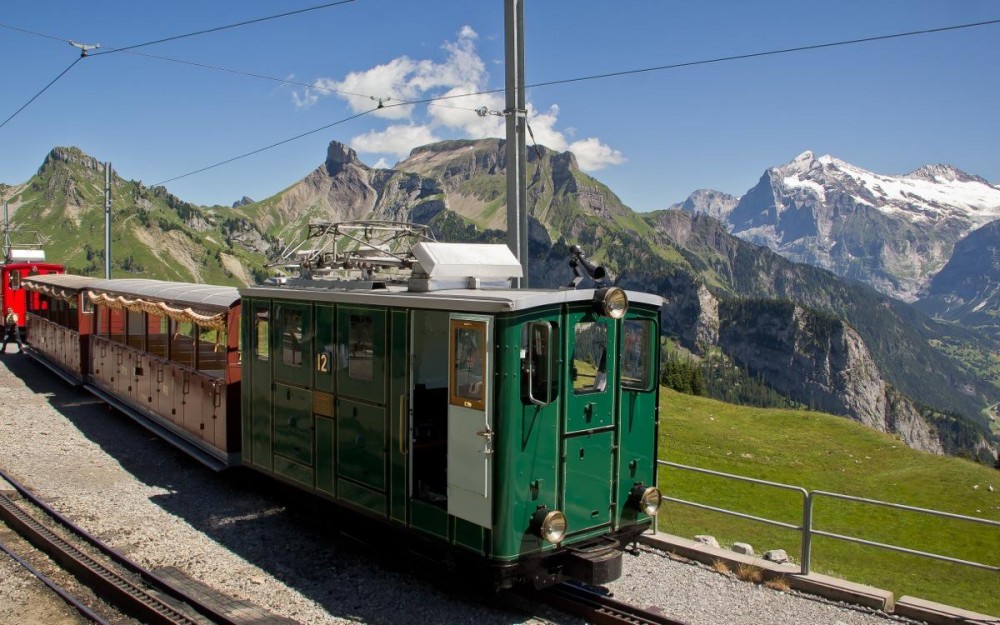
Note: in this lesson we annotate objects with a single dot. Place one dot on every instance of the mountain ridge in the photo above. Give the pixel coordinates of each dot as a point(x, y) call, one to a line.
point(458, 188)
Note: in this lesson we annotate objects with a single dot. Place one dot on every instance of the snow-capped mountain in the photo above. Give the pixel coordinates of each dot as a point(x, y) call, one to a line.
point(892, 232)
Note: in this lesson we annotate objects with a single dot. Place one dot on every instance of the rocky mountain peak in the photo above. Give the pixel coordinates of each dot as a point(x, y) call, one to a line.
point(942, 173)
point(338, 156)
point(71, 156)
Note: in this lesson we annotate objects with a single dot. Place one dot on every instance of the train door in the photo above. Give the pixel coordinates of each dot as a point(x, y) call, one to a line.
point(257, 450)
point(470, 419)
point(399, 402)
point(589, 426)
point(639, 351)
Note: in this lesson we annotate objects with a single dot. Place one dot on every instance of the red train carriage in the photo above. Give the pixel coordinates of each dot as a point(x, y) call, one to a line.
point(12, 294)
point(60, 319)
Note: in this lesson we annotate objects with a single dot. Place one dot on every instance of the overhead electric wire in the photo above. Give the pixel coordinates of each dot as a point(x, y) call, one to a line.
point(35, 97)
point(35, 33)
point(259, 150)
point(226, 27)
point(738, 57)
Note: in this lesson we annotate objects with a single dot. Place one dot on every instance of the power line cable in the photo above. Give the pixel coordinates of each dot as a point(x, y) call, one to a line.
point(259, 150)
point(44, 89)
point(226, 27)
point(32, 32)
point(752, 55)
point(289, 81)
point(591, 77)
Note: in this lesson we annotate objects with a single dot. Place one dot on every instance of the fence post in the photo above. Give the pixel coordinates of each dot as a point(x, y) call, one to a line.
point(807, 515)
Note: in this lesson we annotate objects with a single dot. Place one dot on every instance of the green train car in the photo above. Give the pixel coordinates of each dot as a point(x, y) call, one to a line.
point(515, 428)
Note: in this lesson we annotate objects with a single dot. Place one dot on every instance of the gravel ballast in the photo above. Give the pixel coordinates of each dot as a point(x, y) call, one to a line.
point(164, 510)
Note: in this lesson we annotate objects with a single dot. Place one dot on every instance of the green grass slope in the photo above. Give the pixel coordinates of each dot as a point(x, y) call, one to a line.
point(822, 452)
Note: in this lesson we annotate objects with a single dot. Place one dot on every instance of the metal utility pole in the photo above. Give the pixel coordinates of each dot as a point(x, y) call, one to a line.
point(6, 233)
point(107, 220)
point(516, 114)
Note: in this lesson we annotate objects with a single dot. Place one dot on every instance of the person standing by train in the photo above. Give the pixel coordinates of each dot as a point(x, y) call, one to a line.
point(11, 329)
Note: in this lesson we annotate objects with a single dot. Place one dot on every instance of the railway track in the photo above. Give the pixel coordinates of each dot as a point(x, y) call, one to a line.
point(600, 609)
point(120, 582)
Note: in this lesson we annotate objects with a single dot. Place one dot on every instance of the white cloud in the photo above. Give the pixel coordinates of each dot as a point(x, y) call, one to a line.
point(592, 155)
point(382, 163)
point(463, 71)
point(397, 140)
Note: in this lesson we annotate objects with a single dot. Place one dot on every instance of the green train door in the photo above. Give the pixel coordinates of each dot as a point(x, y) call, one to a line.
point(589, 425)
point(639, 350)
point(470, 419)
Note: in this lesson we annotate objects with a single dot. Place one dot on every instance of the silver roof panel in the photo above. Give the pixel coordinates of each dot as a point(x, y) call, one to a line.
point(201, 296)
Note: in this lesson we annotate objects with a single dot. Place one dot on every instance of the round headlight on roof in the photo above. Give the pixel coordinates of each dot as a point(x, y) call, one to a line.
point(550, 524)
point(611, 301)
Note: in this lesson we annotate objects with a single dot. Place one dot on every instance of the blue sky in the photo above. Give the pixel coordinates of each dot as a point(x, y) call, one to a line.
point(888, 106)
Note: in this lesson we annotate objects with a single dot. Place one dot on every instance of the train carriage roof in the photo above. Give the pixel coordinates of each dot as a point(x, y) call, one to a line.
point(60, 281)
point(203, 297)
point(490, 301)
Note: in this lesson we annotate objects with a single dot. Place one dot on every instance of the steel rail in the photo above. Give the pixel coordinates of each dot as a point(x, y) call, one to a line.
point(111, 585)
point(601, 609)
point(71, 599)
point(148, 577)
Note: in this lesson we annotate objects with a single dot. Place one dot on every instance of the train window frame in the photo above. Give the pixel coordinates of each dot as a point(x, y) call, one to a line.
point(539, 362)
point(466, 364)
point(600, 375)
point(292, 337)
point(361, 340)
point(261, 334)
point(14, 280)
point(643, 342)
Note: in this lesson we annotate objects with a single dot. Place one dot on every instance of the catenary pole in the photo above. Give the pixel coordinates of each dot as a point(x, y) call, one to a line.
point(107, 220)
point(515, 113)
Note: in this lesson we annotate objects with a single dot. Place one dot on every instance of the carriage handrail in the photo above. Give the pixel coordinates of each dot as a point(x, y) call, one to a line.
point(808, 531)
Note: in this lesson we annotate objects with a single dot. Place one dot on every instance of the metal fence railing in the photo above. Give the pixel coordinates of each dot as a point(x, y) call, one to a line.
point(807, 530)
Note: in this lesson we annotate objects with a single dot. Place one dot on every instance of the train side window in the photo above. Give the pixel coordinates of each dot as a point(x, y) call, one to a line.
point(637, 363)
point(136, 323)
point(116, 319)
point(468, 343)
point(182, 342)
point(291, 337)
point(539, 374)
point(72, 316)
point(157, 334)
point(589, 367)
point(361, 349)
point(261, 329)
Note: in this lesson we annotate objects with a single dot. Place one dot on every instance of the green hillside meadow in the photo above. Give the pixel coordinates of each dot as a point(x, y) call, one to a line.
point(823, 452)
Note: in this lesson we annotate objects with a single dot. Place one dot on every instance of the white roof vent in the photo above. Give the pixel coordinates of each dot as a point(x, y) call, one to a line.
point(21, 255)
point(462, 266)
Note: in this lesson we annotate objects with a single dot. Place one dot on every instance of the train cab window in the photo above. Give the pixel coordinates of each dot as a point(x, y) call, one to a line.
point(291, 337)
point(539, 374)
point(361, 353)
point(589, 367)
point(637, 365)
point(261, 330)
point(468, 345)
point(136, 322)
point(14, 280)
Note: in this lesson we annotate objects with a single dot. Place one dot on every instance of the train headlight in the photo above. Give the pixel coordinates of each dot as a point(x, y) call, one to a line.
point(647, 500)
point(550, 524)
point(612, 302)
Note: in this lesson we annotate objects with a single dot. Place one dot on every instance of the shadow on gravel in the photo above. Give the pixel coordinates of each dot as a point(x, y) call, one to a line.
point(297, 539)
